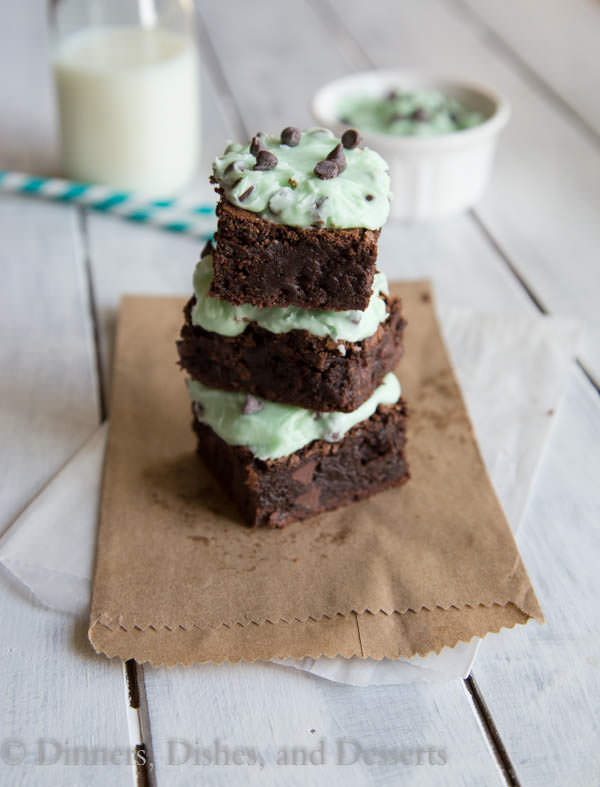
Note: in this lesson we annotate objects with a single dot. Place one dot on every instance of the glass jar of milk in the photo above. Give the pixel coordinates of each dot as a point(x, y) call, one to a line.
point(128, 89)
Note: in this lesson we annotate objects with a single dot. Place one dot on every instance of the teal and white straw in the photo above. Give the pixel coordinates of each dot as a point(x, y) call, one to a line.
point(168, 214)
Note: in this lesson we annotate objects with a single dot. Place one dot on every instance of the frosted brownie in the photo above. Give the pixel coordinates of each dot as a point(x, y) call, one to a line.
point(320, 360)
point(282, 463)
point(299, 220)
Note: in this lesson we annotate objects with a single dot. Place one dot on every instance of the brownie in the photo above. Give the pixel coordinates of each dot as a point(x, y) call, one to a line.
point(319, 477)
point(295, 367)
point(264, 263)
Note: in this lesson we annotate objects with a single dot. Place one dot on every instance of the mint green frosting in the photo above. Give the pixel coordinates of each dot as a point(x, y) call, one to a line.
point(394, 113)
point(279, 429)
point(292, 194)
point(223, 317)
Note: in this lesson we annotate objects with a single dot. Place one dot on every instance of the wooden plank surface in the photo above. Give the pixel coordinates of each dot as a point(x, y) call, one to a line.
point(28, 132)
point(560, 46)
point(541, 684)
point(271, 708)
point(54, 687)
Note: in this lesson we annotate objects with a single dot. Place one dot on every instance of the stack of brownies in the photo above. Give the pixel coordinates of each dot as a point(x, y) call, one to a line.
point(291, 339)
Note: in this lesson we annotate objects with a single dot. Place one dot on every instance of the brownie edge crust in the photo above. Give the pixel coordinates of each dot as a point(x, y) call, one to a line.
point(264, 263)
point(319, 477)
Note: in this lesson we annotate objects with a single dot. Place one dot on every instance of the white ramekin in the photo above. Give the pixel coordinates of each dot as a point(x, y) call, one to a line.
point(436, 176)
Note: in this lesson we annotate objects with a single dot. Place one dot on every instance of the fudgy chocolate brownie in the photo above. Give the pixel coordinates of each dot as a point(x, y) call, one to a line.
point(264, 263)
point(319, 477)
point(295, 367)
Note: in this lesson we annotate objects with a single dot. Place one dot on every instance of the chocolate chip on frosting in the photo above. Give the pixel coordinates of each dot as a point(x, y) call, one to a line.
point(317, 218)
point(369, 197)
point(392, 95)
point(265, 160)
point(257, 144)
point(246, 193)
point(351, 139)
point(252, 405)
point(325, 170)
point(290, 136)
point(337, 156)
point(282, 199)
point(420, 114)
point(234, 168)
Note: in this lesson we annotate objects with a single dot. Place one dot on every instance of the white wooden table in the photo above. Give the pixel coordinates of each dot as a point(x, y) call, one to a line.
point(530, 713)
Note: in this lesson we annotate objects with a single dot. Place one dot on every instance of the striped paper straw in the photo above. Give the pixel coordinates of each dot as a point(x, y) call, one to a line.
point(167, 214)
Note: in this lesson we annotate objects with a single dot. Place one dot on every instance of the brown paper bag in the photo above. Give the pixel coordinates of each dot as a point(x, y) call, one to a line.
point(180, 579)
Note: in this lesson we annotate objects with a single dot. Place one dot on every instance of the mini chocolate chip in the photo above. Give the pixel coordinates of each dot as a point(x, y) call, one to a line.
point(351, 139)
point(293, 184)
point(345, 120)
point(233, 169)
point(291, 136)
point(454, 117)
point(265, 160)
point(355, 316)
point(280, 200)
point(325, 170)
point(337, 155)
point(332, 437)
point(252, 405)
point(257, 145)
point(392, 95)
point(246, 193)
point(369, 197)
point(419, 114)
point(317, 220)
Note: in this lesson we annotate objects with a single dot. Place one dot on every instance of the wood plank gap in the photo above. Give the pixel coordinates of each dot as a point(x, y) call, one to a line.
point(528, 289)
point(212, 62)
point(492, 733)
point(484, 229)
point(528, 73)
point(139, 726)
point(588, 376)
point(93, 310)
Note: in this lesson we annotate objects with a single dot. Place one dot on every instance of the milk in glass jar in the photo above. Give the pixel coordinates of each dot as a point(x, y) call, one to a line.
point(128, 92)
